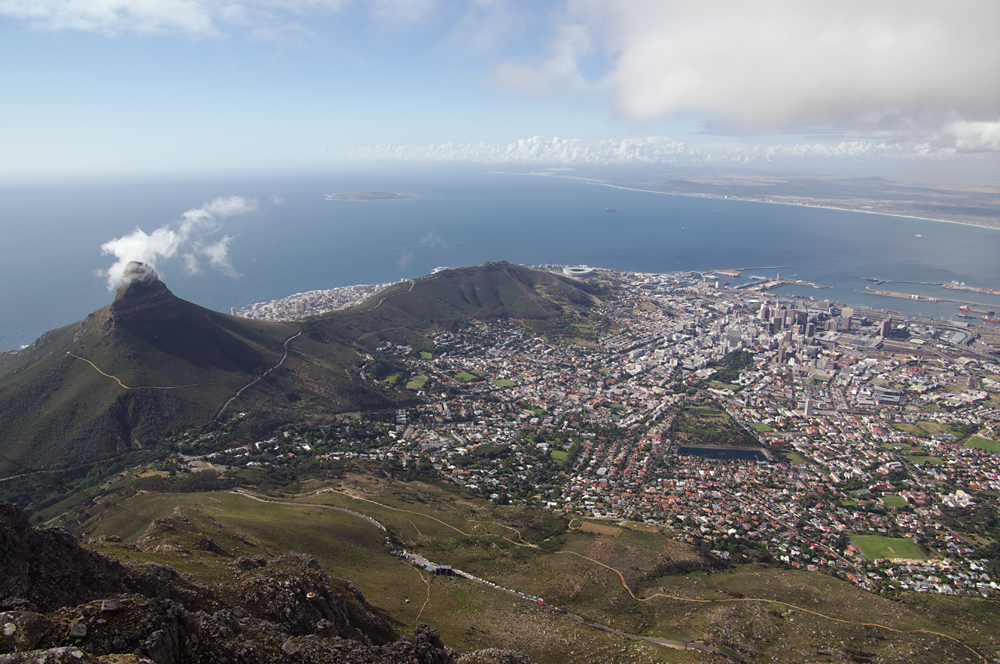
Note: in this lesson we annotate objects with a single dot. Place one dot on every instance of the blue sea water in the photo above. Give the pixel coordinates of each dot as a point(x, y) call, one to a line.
point(297, 240)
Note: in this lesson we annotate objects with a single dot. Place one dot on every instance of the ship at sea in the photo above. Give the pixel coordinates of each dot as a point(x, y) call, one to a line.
point(611, 209)
point(976, 311)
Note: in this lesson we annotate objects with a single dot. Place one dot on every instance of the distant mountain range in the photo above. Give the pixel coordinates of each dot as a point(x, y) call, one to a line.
point(150, 363)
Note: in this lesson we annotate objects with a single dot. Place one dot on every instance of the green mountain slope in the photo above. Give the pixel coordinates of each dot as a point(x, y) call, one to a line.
point(150, 363)
point(402, 313)
point(131, 371)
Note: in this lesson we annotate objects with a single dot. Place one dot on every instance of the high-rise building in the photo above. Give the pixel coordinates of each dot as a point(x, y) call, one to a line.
point(885, 327)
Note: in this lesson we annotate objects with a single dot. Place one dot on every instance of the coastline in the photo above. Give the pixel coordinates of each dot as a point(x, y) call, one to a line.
point(731, 197)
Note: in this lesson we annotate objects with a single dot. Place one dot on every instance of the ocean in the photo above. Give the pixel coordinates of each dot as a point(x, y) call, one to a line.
point(296, 240)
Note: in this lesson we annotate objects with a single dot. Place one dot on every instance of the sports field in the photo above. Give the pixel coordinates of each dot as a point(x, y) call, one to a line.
point(983, 444)
point(894, 501)
point(873, 547)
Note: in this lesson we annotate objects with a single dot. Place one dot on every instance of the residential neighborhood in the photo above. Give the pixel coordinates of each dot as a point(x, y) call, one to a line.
point(777, 429)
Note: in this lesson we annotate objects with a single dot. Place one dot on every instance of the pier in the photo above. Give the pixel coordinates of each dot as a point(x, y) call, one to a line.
point(920, 298)
point(900, 281)
point(735, 271)
point(762, 286)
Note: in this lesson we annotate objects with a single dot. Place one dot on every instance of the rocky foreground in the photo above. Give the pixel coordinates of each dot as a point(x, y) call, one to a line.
point(61, 602)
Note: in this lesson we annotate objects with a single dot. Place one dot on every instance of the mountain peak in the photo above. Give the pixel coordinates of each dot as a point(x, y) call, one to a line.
point(139, 273)
point(141, 289)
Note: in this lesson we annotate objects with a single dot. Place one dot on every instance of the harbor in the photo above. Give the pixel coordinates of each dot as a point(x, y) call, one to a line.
point(777, 282)
point(918, 298)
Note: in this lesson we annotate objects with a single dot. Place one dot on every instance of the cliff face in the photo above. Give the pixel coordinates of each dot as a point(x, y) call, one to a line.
point(62, 602)
point(45, 569)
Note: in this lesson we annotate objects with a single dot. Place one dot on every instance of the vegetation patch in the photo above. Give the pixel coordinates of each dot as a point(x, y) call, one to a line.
point(416, 383)
point(983, 444)
point(600, 529)
point(794, 457)
point(894, 501)
point(728, 369)
point(502, 382)
point(874, 547)
point(706, 412)
point(760, 427)
point(705, 424)
point(933, 460)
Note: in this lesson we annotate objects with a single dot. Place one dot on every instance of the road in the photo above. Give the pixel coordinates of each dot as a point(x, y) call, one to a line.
point(259, 378)
point(425, 564)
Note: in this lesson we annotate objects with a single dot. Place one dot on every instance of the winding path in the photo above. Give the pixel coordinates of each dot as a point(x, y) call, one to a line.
point(774, 601)
point(266, 499)
point(412, 284)
point(259, 378)
point(678, 645)
point(126, 387)
point(448, 525)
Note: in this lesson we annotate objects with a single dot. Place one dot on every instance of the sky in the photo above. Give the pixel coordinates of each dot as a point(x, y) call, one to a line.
point(109, 88)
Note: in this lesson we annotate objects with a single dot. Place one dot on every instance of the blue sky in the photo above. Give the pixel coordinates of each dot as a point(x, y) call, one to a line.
point(113, 87)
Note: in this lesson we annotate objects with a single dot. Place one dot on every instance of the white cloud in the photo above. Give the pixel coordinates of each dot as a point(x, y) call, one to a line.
point(195, 17)
point(571, 44)
point(402, 11)
point(190, 263)
point(838, 65)
point(488, 24)
point(218, 256)
point(975, 136)
point(228, 206)
point(141, 247)
point(188, 238)
point(636, 151)
point(432, 239)
point(111, 16)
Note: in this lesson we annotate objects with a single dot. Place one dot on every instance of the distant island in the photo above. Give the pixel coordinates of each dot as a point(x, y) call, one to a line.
point(369, 196)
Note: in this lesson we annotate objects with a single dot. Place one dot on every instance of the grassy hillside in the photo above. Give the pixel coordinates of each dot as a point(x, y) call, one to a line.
point(404, 312)
point(630, 577)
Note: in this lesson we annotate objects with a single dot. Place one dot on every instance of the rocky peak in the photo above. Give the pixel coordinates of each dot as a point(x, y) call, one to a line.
point(13, 519)
point(141, 289)
point(60, 602)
